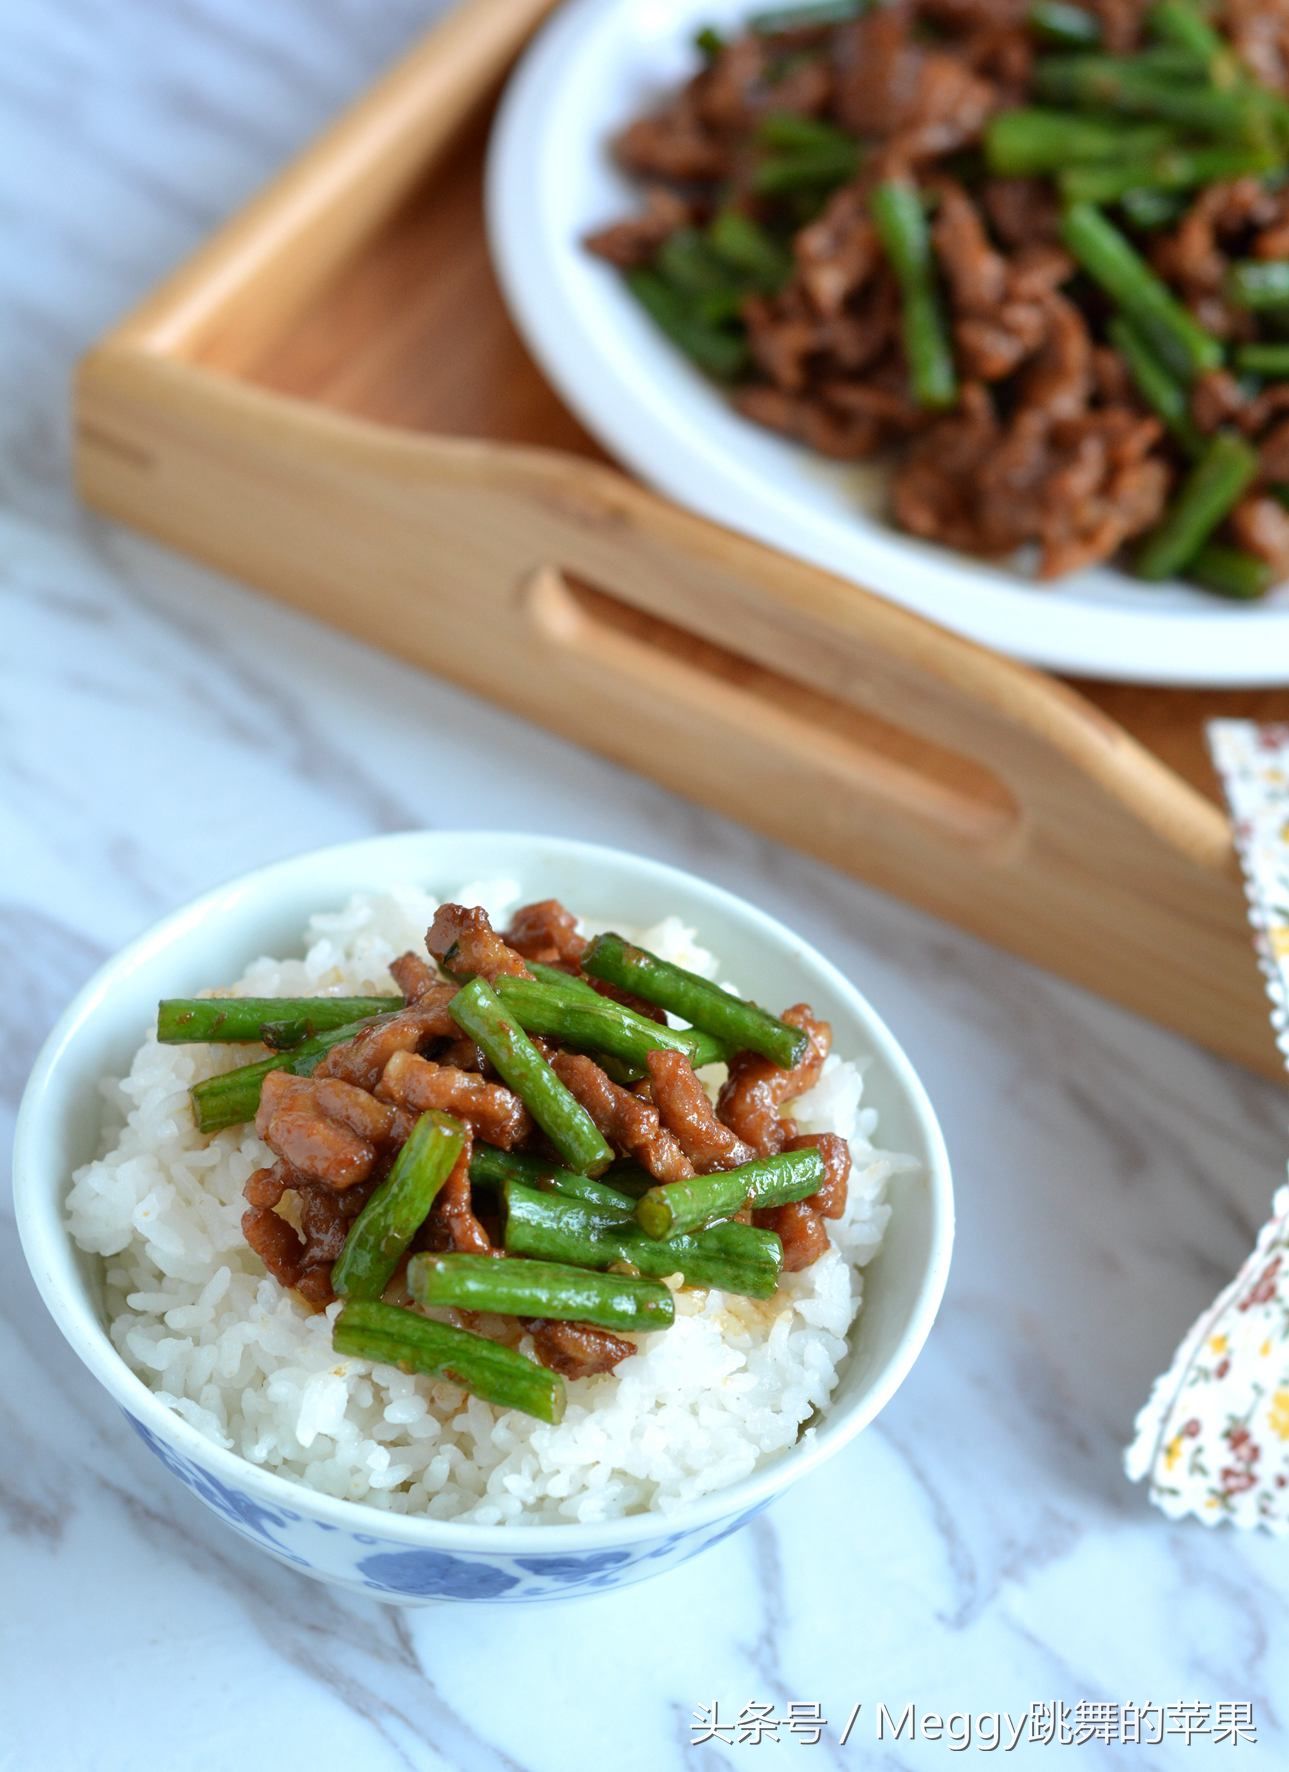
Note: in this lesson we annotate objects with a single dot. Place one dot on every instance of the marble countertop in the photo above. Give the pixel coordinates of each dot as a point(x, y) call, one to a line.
point(978, 1549)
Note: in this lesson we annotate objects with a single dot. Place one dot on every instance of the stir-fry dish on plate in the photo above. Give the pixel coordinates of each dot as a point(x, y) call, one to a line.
point(506, 1226)
point(1034, 252)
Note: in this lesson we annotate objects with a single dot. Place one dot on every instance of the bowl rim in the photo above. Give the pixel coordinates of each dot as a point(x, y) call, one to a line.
point(40, 1228)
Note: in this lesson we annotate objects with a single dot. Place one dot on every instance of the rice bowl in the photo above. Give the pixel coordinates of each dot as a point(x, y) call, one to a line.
point(193, 1313)
point(370, 1545)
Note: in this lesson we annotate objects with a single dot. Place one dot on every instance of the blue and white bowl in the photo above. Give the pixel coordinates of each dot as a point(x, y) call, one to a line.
point(412, 1559)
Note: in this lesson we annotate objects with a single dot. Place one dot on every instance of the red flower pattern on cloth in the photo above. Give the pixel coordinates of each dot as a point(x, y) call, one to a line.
point(1213, 1439)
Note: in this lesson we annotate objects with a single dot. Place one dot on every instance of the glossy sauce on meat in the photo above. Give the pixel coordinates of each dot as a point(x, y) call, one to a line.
point(688, 1114)
point(464, 942)
point(627, 1120)
point(489, 1109)
point(336, 1134)
point(756, 1090)
point(1049, 445)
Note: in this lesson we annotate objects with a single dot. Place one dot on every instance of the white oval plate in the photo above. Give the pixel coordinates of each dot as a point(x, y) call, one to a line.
point(595, 65)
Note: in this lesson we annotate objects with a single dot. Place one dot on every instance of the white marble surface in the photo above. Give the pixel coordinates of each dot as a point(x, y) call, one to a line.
point(161, 729)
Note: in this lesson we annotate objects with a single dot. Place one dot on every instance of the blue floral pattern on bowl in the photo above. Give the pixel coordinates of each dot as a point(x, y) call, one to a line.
point(393, 1571)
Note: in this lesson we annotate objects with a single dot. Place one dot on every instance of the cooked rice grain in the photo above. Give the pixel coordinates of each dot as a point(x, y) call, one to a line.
point(193, 1313)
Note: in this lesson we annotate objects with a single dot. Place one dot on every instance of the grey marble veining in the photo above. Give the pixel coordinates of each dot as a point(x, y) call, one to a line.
point(161, 729)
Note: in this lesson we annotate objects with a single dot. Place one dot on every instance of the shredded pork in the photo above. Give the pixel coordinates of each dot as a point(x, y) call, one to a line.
point(336, 1134)
point(1049, 450)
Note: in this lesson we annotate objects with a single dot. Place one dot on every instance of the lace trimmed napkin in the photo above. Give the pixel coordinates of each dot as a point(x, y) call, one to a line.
point(1213, 1440)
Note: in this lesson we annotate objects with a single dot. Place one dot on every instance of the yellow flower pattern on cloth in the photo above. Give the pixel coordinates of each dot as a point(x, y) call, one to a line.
point(1213, 1439)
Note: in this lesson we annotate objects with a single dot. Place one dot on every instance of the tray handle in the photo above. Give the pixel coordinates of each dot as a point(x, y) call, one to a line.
point(757, 685)
point(682, 689)
point(962, 740)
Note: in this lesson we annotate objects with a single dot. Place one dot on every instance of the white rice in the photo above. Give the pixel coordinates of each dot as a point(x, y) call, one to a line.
point(193, 1312)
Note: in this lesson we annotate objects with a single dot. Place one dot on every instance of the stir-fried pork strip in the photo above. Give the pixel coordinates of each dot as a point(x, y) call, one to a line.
point(301, 1259)
point(1260, 32)
point(452, 1222)
point(630, 1123)
point(336, 1134)
point(1049, 443)
point(415, 977)
point(799, 1228)
point(464, 942)
point(325, 1129)
point(362, 1060)
point(634, 241)
point(830, 1199)
point(1079, 486)
point(688, 1114)
point(277, 1243)
point(577, 1350)
point(546, 931)
point(924, 100)
point(1261, 524)
point(464, 1055)
point(1275, 451)
point(489, 1109)
point(755, 1089)
point(1195, 255)
point(267, 1186)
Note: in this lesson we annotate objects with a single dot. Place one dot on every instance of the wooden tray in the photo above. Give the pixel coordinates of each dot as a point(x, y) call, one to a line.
point(329, 401)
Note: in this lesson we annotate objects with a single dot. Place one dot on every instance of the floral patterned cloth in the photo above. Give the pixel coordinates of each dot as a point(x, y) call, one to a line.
point(1213, 1440)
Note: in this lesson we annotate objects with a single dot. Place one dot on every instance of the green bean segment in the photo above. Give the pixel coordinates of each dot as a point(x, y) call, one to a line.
point(1231, 572)
point(723, 355)
point(819, 167)
point(1030, 140)
point(1161, 389)
point(233, 1097)
point(810, 15)
point(1183, 24)
point(518, 1287)
point(389, 1336)
point(681, 1206)
point(750, 249)
point(490, 1167)
point(900, 221)
point(279, 1022)
point(478, 1012)
point(741, 1025)
point(379, 1236)
point(691, 265)
point(567, 981)
point(1166, 83)
point(627, 1177)
point(794, 133)
point(601, 1024)
point(1269, 359)
point(734, 1257)
point(1113, 262)
point(620, 1069)
point(1214, 485)
point(1173, 169)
